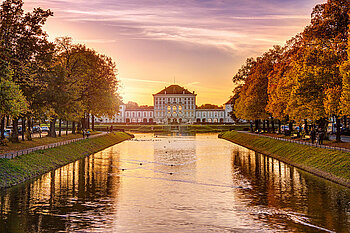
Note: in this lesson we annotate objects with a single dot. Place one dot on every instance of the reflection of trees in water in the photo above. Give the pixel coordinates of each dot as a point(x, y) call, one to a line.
point(82, 191)
point(283, 187)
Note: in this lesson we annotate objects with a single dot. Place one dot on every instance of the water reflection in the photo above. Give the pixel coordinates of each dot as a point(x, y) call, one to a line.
point(77, 193)
point(305, 201)
point(176, 183)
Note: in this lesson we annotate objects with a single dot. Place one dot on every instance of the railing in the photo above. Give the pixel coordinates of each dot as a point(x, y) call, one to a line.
point(14, 154)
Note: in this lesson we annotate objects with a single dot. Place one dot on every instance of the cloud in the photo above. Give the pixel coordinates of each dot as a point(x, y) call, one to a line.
point(142, 80)
point(220, 23)
point(201, 40)
point(96, 41)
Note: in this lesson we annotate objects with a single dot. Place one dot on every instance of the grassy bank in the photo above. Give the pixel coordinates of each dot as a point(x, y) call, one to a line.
point(24, 167)
point(333, 165)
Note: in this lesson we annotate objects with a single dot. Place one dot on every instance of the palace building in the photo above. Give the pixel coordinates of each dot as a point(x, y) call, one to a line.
point(172, 105)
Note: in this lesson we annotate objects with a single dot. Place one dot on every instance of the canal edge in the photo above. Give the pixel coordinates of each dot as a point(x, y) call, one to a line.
point(16, 175)
point(314, 171)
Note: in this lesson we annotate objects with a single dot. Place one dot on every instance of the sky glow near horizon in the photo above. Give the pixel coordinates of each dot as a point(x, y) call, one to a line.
point(199, 43)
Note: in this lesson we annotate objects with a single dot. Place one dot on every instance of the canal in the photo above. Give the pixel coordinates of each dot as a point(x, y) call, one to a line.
point(164, 183)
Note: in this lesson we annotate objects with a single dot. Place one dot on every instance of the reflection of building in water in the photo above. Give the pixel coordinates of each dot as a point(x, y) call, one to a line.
point(177, 151)
point(173, 104)
point(64, 199)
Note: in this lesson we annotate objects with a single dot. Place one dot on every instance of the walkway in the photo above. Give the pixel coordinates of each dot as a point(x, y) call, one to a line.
point(300, 142)
point(14, 154)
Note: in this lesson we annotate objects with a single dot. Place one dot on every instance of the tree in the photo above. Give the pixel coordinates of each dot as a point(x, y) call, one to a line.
point(25, 47)
point(252, 100)
point(12, 101)
point(89, 83)
point(209, 106)
point(345, 93)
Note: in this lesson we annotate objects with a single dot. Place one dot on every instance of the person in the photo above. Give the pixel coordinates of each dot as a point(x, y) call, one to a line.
point(321, 137)
point(40, 131)
point(83, 133)
point(111, 128)
point(313, 135)
point(87, 134)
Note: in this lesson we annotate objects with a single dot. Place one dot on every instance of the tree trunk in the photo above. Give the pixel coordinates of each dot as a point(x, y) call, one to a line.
point(14, 136)
point(251, 126)
point(256, 125)
point(40, 132)
point(337, 136)
point(273, 124)
point(29, 128)
point(93, 122)
point(88, 120)
point(345, 122)
point(264, 126)
point(306, 126)
point(7, 121)
point(52, 132)
point(67, 124)
point(73, 127)
point(291, 126)
point(23, 128)
point(279, 126)
point(2, 127)
point(60, 128)
point(268, 125)
point(79, 127)
point(83, 122)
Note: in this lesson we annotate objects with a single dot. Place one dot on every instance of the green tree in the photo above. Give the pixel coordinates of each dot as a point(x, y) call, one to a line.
point(25, 48)
point(12, 101)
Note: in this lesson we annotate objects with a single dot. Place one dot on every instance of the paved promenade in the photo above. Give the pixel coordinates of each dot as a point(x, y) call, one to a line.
point(300, 142)
point(13, 154)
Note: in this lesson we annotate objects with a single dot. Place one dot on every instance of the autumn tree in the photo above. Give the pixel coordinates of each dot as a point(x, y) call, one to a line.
point(253, 96)
point(88, 81)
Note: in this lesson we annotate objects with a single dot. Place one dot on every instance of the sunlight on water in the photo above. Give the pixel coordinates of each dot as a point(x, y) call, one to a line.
point(176, 184)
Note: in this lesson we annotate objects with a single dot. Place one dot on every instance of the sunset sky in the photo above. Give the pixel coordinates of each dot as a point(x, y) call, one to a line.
point(200, 43)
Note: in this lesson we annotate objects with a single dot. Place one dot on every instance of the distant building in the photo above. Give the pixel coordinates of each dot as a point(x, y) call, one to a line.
point(139, 115)
point(173, 104)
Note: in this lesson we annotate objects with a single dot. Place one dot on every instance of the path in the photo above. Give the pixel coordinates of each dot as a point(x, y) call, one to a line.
point(300, 142)
point(13, 154)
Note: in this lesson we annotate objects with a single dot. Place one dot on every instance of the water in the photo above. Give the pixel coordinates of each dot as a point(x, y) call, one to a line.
point(176, 184)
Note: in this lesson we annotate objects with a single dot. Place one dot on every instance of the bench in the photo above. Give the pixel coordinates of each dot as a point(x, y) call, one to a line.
point(306, 137)
point(294, 136)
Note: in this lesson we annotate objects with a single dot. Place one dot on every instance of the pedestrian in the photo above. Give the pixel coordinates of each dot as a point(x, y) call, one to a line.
point(40, 131)
point(313, 135)
point(321, 137)
point(83, 133)
point(111, 128)
point(87, 134)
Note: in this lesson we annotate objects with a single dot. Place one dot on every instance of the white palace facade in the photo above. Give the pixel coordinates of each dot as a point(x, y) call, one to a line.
point(172, 105)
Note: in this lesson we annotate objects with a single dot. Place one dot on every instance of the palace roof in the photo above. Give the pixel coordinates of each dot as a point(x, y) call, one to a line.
point(174, 89)
point(139, 108)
